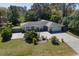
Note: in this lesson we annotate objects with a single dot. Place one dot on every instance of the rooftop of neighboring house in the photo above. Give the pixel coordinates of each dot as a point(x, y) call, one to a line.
point(16, 27)
point(40, 23)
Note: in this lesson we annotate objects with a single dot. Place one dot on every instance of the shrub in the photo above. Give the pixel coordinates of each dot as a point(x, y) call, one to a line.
point(55, 40)
point(35, 41)
point(62, 40)
point(6, 34)
point(30, 35)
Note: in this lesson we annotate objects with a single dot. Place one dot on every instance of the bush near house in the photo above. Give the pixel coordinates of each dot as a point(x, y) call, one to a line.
point(30, 35)
point(6, 34)
point(55, 40)
point(35, 41)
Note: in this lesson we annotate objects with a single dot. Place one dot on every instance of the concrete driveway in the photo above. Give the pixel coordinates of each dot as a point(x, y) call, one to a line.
point(17, 36)
point(73, 42)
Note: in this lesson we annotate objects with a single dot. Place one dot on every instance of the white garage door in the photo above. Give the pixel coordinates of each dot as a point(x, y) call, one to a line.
point(56, 29)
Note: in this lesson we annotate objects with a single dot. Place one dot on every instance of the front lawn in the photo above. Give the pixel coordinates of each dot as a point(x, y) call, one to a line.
point(19, 47)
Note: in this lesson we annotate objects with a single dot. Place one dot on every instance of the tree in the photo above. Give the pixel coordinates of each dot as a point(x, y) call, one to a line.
point(56, 12)
point(6, 34)
point(3, 15)
point(63, 9)
point(3, 12)
point(56, 9)
point(72, 23)
point(31, 16)
point(55, 18)
point(21, 12)
point(68, 9)
point(42, 10)
point(13, 15)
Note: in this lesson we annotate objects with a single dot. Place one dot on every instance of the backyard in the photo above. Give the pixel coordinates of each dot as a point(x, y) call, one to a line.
point(19, 47)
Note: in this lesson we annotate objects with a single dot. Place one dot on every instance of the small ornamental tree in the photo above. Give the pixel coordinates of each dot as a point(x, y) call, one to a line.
point(6, 34)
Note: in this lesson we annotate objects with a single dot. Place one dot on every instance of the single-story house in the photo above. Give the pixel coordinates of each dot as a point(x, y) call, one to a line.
point(42, 25)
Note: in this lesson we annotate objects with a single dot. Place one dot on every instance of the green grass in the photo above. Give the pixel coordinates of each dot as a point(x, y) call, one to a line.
point(73, 35)
point(19, 47)
point(48, 50)
point(15, 47)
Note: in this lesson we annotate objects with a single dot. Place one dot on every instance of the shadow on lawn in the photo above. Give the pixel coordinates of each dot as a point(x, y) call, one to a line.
point(5, 40)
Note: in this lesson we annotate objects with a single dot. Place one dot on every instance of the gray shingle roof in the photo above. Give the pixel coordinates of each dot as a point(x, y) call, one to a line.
point(35, 23)
point(40, 23)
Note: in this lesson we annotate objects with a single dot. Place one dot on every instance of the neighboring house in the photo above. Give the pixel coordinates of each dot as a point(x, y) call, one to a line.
point(16, 29)
point(42, 25)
